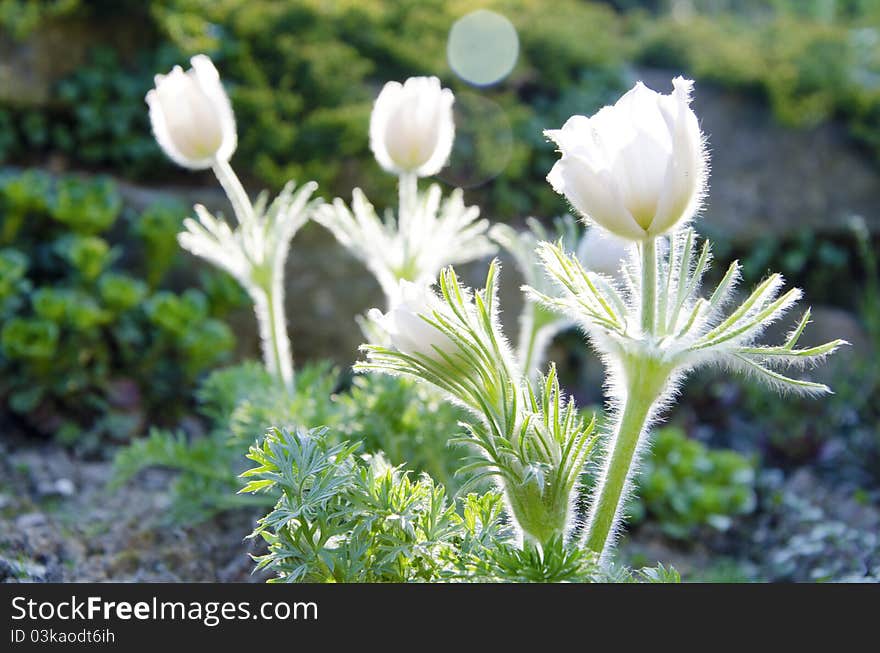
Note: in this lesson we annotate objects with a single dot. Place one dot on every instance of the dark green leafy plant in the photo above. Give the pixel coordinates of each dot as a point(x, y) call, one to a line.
point(89, 349)
point(685, 485)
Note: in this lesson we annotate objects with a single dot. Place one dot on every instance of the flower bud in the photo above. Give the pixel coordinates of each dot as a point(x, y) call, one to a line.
point(603, 252)
point(409, 332)
point(191, 115)
point(638, 168)
point(411, 127)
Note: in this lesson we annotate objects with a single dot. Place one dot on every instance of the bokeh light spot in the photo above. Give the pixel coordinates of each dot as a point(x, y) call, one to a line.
point(483, 47)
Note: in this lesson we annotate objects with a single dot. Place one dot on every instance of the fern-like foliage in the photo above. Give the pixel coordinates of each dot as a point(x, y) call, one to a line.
point(688, 329)
point(343, 517)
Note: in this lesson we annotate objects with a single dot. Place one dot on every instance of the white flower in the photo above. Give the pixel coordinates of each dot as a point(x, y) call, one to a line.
point(603, 252)
point(191, 115)
point(638, 168)
point(406, 326)
point(411, 127)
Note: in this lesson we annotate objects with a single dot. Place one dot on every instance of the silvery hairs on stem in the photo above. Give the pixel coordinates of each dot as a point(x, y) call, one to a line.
point(596, 249)
point(193, 122)
point(411, 135)
point(528, 437)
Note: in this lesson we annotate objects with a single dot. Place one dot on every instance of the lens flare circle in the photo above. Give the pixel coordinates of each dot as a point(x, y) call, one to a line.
point(483, 47)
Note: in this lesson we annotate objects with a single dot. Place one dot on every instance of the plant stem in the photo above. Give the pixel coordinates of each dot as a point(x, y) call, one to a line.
point(649, 285)
point(408, 196)
point(528, 342)
point(267, 292)
point(645, 380)
point(238, 197)
point(269, 308)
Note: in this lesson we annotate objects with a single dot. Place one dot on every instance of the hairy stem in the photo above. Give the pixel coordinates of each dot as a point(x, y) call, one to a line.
point(528, 343)
point(649, 285)
point(408, 197)
point(238, 197)
point(646, 378)
point(269, 308)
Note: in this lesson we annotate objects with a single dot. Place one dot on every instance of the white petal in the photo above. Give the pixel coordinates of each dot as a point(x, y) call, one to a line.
point(595, 194)
point(686, 175)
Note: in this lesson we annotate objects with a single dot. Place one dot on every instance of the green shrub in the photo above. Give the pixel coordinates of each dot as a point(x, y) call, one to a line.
point(406, 421)
point(684, 485)
point(390, 415)
point(809, 70)
point(89, 350)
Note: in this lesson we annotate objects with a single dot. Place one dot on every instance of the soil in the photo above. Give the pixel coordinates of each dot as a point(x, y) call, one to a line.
point(59, 522)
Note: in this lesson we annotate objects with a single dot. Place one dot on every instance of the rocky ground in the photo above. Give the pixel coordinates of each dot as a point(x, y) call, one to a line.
point(59, 522)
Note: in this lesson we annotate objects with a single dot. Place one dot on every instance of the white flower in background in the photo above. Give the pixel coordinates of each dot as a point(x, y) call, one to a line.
point(191, 115)
point(596, 249)
point(405, 324)
point(411, 134)
point(603, 252)
point(638, 168)
point(411, 127)
point(194, 124)
point(430, 234)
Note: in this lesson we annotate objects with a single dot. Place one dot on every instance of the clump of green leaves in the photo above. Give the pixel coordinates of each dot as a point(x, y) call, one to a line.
point(89, 349)
point(394, 415)
point(404, 419)
point(236, 403)
point(684, 485)
point(344, 517)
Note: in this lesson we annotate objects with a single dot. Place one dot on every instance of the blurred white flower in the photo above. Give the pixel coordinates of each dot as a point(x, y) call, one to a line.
point(411, 127)
point(638, 168)
point(405, 324)
point(191, 115)
point(603, 252)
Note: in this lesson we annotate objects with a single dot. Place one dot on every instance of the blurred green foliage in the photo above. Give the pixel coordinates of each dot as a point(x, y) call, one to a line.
point(303, 74)
point(89, 349)
point(407, 421)
point(684, 485)
point(841, 433)
point(238, 403)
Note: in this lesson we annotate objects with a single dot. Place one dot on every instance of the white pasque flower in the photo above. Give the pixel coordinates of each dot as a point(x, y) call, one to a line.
point(191, 115)
point(638, 168)
point(405, 323)
point(411, 127)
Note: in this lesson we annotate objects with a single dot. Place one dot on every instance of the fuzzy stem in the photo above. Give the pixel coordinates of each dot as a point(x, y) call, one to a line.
point(269, 309)
point(649, 285)
point(408, 195)
point(645, 381)
point(238, 197)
